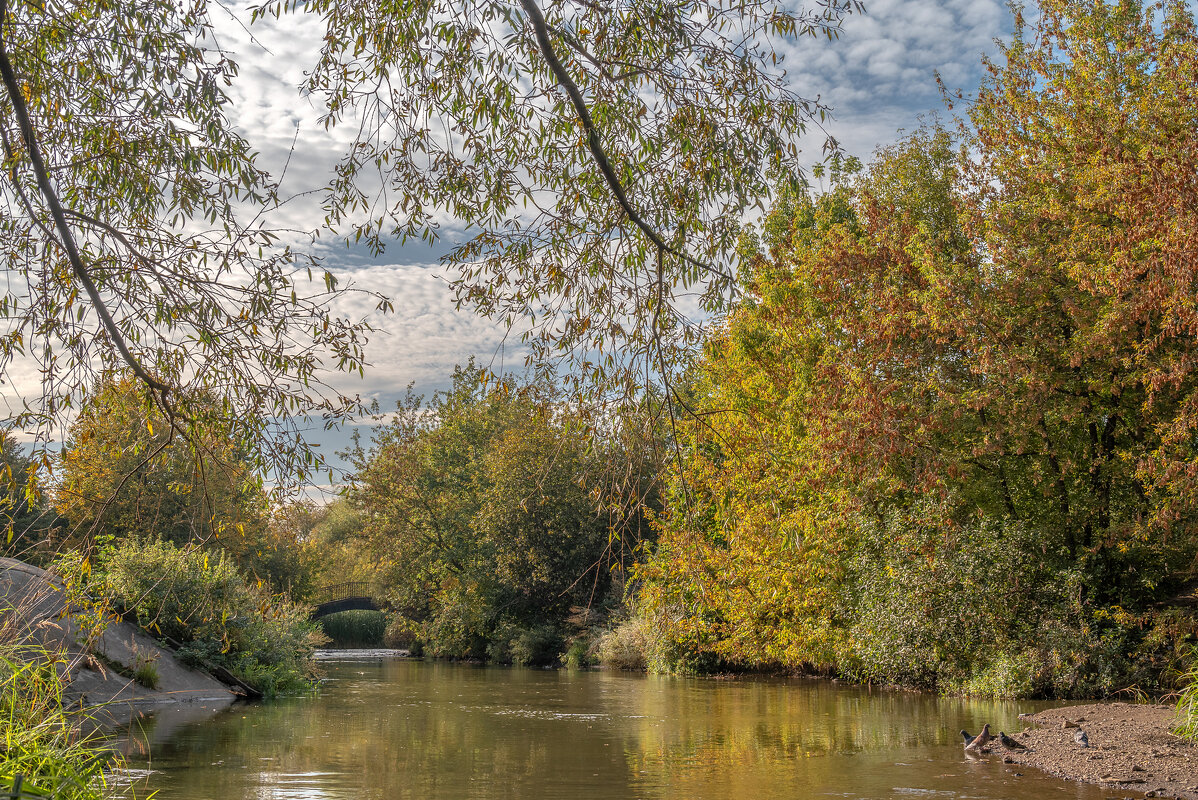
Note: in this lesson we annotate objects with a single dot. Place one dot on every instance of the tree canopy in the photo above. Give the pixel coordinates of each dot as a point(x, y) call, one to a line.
point(126, 474)
point(602, 153)
point(485, 513)
point(957, 436)
point(135, 234)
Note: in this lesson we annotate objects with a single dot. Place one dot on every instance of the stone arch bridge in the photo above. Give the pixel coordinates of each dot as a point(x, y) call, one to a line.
point(348, 596)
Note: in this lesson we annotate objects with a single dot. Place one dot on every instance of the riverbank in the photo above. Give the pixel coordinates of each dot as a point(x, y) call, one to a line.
point(115, 669)
point(1131, 747)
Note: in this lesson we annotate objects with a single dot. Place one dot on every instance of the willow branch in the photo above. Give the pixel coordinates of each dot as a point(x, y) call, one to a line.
point(595, 144)
point(66, 238)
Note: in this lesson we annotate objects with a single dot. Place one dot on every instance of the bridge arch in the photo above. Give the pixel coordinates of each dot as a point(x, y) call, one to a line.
point(338, 597)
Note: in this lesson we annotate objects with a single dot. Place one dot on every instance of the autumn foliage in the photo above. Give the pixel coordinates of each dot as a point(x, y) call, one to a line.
point(956, 413)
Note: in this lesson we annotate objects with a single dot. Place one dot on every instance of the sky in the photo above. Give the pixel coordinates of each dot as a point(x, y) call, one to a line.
point(878, 77)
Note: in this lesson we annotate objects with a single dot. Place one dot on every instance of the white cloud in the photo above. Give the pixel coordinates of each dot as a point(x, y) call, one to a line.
point(879, 76)
point(425, 336)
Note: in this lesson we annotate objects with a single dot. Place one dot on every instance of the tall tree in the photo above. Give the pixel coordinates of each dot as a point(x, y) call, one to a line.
point(484, 511)
point(127, 474)
point(968, 367)
point(1088, 133)
point(26, 519)
point(132, 230)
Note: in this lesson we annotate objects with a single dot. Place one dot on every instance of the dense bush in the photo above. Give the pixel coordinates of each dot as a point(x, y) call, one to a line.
point(489, 512)
point(624, 646)
point(531, 646)
point(985, 612)
point(200, 600)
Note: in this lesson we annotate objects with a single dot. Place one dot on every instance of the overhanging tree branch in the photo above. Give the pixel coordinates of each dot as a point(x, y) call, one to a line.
point(65, 237)
point(595, 144)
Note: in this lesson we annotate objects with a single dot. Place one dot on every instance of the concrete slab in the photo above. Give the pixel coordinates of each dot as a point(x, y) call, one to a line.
point(33, 607)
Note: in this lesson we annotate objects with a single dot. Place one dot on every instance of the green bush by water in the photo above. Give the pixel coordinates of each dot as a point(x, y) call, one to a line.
point(200, 600)
point(526, 646)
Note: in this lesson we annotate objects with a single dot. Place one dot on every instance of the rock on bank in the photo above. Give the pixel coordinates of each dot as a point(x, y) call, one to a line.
point(33, 608)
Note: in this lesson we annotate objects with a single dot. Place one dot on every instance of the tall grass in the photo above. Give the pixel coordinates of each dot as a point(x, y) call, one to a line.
point(1187, 703)
point(41, 742)
point(355, 628)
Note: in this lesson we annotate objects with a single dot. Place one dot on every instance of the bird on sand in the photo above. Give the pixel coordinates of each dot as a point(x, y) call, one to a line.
point(1081, 738)
point(1009, 743)
point(981, 740)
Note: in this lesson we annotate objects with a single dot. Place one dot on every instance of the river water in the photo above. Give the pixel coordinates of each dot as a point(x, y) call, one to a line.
point(385, 728)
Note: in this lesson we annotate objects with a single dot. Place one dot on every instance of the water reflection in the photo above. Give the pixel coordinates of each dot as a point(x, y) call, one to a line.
point(402, 729)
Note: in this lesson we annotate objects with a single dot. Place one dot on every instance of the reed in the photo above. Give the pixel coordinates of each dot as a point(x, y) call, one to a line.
point(355, 628)
point(46, 746)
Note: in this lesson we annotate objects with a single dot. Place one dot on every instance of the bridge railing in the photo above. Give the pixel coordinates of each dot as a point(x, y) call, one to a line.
point(339, 591)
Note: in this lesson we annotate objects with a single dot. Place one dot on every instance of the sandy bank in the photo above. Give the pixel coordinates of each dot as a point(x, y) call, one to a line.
point(1130, 747)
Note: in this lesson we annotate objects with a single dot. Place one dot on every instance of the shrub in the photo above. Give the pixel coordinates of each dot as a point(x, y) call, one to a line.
point(625, 646)
point(536, 645)
point(986, 611)
point(579, 653)
point(1187, 703)
point(145, 669)
point(403, 635)
point(202, 602)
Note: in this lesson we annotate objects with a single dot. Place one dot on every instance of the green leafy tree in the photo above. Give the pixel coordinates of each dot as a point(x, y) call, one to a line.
point(126, 474)
point(481, 511)
point(604, 154)
point(945, 385)
point(27, 522)
point(330, 542)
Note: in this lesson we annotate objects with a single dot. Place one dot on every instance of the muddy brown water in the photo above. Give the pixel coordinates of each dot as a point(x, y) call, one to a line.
point(384, 728)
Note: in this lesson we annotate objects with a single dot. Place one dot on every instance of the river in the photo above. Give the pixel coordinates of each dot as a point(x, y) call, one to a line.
point(384, 728)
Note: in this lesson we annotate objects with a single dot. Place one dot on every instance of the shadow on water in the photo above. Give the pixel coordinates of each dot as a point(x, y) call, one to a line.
point(391, 728)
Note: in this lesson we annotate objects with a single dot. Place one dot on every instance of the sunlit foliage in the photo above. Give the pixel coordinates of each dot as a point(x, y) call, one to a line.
point(485, 512)
point(126, 474)
point(955, 439)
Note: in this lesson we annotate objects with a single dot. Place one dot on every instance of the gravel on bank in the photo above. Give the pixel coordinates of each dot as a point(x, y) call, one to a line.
point(1131, 747)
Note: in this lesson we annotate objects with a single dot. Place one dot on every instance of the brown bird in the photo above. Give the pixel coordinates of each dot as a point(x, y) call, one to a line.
point(1009, 743)
point(981, 740)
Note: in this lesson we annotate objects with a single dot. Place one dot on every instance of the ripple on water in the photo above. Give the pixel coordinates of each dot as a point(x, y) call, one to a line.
point(535, 713)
